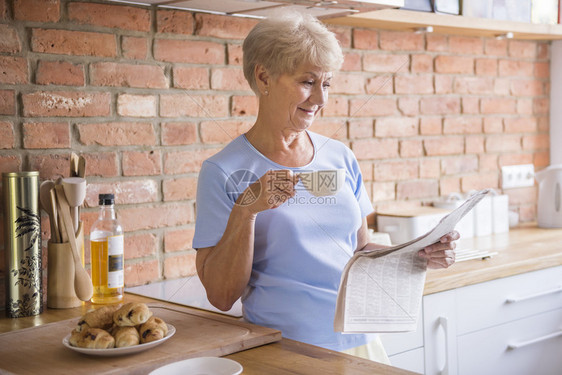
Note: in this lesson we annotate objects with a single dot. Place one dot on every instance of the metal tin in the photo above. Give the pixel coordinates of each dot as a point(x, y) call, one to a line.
point(22, 244)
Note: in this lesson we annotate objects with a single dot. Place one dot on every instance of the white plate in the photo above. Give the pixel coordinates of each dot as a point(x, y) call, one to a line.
point(201, 366)
point(120, 351)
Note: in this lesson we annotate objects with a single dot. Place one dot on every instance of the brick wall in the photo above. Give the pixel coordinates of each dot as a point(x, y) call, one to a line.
point(146, 95)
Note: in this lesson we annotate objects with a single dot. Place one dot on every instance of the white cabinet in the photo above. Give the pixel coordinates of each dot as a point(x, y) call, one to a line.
point(405, 349)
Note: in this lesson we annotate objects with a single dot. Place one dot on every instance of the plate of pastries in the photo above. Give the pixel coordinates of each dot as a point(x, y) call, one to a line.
point(116, 330)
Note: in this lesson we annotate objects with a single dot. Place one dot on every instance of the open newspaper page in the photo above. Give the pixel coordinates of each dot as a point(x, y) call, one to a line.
point(381, 290)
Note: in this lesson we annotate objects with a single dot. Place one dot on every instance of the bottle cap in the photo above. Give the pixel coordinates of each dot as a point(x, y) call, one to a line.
point(106, 199)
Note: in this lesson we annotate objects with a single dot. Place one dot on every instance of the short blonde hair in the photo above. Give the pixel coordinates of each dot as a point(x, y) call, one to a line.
point(283, 42)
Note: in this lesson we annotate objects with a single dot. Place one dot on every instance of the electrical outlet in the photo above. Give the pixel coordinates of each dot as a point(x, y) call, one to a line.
point(514, 176)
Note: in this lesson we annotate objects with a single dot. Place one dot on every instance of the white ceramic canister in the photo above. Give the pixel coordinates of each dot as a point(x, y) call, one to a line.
point(549, 210)
point(465, 226)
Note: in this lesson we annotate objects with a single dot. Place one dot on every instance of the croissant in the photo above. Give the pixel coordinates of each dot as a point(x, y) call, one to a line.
point(125, 336)
point(131, 314)
point(99, 318)
point(92, 338)
point(154, 329)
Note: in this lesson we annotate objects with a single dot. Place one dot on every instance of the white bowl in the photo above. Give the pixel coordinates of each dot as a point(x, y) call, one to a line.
point(201, 366)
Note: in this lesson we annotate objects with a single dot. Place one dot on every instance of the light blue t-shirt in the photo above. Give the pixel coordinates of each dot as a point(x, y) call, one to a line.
point(300, 248)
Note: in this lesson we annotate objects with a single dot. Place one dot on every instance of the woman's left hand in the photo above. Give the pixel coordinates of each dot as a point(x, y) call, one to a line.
point(441, 254)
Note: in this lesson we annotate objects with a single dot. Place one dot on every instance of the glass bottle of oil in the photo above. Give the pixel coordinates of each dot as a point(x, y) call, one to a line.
point(106, 252)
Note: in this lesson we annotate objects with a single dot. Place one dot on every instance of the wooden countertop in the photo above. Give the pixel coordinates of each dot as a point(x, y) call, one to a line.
point(521, 250)
point(281, 357)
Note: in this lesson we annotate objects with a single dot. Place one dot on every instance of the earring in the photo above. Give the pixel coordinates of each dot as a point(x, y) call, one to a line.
point(266, 92)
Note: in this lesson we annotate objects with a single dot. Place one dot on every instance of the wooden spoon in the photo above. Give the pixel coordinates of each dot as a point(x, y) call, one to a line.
point(82, 281)
point(73, 165)
point(81, 166)
point(75, 192)
point(45, 198)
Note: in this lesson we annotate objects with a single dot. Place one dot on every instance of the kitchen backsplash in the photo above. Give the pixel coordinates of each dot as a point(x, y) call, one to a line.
point(146, 95)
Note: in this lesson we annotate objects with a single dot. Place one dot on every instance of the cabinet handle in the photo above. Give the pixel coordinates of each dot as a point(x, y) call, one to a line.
point(522, 344)
point(539, 294)
point(443, 322)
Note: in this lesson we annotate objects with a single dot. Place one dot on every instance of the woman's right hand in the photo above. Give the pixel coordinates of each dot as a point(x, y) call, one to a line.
point(270, 191)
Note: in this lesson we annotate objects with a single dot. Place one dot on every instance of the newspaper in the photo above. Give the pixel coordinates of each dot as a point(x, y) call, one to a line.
point(381, 290)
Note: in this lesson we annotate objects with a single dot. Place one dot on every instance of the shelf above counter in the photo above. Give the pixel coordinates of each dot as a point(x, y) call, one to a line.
point(407, 20)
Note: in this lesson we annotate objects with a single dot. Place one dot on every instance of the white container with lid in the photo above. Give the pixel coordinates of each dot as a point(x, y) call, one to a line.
point(465, 226)
point(405, 225)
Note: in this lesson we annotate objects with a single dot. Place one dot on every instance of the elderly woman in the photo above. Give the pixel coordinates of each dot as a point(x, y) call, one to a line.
point(259, 233)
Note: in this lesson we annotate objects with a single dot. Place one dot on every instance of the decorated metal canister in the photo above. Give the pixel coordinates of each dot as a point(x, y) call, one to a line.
point(22, 244)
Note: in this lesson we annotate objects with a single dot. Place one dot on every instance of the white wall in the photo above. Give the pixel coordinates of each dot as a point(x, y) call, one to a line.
point(556, 103)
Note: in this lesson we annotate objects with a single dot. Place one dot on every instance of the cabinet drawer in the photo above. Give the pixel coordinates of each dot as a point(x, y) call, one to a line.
point(510, 298)
point(399, 342)
point(412, 360)
point(487, 351)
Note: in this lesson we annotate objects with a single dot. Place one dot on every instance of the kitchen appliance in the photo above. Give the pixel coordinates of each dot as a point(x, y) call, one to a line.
point(549, 211)
point(406, 224)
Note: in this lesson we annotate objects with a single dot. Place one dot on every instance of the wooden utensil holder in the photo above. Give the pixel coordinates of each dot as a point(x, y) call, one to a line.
point(60, 273)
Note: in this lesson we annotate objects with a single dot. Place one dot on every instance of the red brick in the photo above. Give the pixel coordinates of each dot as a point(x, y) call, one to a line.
point(522, 195)
point(141, 273)
point(411, 148)
point(37, 10)
point(178, 133)
point(13, 70)
point(235, 55)
point(429, 168)
point(370, 106)
point(466, 45)
point(498, 105)
point(474, 144)
point(454, 64)
point(376, 62)
point(10, 42)
point(229, 79)
point(422, 63)
point(66, 103)
point(520, 125)
point(417, 189)
point(502, 86)
point(543, 50)
point(503, 143)
point(46, 135)
point(137, 105)
point(443, 84)
point(431, 125)
point(7, 139)
point(409, 106)
point(418, 84)
point(541, 159)
point(396, 127)
point(342, 33)
point(396, 170)
point(59, 73)
point(10, 163)
point(470, 105)
point(191, 78)
point(50, 166)
point(543, 124)
point(140, 245)
point(541, 105)
point(127, 75)
point(180, 266)
point(462, 125)
point(379, 85)
point(401, 41)
point(366, 168)
point(224, 27)
point(348, 83)
point(375, 148)
point(527, 87)
point(493, 125)
point(134, 48)
point(122, 17)
point(542, 70)
point(437, 105)
point(78, 43)
point(480, 181)
point(449, 185)
point(362, 128)
point(437, 43)
point(522, 49)
point(443, 146)
point(486, 67)
point(174, 22)
point(330, 128)
point(178, 240)
point(365, 39)
point(208, 106)
point(536, 142)
point(351, 62)
point(248, 105)
point(179, 189)
point(101, 164)
point(223, 131)
point(177, 162)
point(459, 165)
point(383, 191)
point(7, 102)
point(117, 134)
point(474, 85)
point(515, 68)
point(142, 163)
point(495, 47)
point(514, 159)
point(3, 12)
point(153, 217)
point(126, 192)
point(488, 162)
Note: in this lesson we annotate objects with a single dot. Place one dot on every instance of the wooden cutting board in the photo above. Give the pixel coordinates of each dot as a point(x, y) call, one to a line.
point(39, 350)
